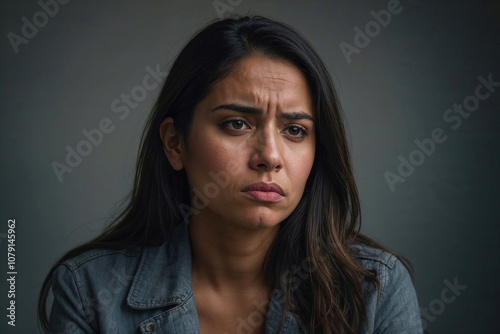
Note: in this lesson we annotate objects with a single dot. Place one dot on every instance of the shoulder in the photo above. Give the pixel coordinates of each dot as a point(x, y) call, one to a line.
point(393, 307)
point(97, 271)
point(389, 270)
point(98, 266)
point(101, 257)
point(100, 289)
point(370, 256)
point(383, 263)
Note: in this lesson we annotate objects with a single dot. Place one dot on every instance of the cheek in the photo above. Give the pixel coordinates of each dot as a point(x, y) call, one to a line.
point(300, 164)
point(208, 155)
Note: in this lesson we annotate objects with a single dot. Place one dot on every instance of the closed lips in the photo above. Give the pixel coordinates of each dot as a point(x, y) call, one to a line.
point(265, 187)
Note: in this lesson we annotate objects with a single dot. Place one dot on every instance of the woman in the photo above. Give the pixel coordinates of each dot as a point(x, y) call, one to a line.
point(244, 215)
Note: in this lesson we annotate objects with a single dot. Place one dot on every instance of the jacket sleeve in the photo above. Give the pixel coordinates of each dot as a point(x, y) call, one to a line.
point(398, 311)
point(68, 314)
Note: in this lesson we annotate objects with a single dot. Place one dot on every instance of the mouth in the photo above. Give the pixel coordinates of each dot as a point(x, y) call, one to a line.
point(264, 192)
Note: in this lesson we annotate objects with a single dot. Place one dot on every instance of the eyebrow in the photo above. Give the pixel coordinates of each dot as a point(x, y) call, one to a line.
point(259, 111)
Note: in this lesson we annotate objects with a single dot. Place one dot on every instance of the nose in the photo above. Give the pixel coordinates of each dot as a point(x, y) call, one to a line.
point(266, 151)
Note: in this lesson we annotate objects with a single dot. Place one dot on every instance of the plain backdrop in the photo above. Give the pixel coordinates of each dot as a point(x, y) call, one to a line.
point(395, 89)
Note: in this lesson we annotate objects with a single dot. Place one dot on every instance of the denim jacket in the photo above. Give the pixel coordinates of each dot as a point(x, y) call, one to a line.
point(149, 291)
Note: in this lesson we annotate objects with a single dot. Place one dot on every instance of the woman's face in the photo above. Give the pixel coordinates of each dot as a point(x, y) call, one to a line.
point(251, 145)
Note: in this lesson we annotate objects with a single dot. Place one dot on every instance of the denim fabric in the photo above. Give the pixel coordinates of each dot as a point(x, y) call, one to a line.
point(129, 291)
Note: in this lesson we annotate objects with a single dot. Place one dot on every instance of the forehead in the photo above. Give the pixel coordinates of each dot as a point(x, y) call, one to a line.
point(259, 79)
point(262, 68)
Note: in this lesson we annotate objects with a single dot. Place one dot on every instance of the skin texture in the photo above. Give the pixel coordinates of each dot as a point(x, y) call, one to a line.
point(226, 151)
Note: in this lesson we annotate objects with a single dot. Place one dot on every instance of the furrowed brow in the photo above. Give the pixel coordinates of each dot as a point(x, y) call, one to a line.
point(258, 111)
point(240, 108)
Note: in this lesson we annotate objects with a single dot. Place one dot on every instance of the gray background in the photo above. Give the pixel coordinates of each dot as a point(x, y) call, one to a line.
point(394, 91)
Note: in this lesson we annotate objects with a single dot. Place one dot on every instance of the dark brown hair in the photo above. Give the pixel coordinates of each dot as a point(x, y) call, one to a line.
point(324, 225)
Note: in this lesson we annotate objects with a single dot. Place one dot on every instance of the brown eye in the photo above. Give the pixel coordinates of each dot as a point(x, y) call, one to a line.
point(296, 131)
point(238, 124)
point(235, 124)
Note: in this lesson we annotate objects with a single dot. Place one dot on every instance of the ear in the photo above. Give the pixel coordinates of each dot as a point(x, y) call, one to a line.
point(172, 143)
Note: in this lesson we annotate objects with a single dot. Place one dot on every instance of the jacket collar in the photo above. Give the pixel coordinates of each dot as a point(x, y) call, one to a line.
point(163, 277)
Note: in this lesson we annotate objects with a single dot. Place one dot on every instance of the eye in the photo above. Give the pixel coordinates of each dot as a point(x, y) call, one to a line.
point(235, 124)
point(295, 131)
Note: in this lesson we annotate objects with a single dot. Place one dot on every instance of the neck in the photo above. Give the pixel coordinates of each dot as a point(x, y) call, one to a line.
point(227, 257)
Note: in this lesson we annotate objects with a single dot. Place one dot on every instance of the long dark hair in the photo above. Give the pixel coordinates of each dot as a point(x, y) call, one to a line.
point(321, 229)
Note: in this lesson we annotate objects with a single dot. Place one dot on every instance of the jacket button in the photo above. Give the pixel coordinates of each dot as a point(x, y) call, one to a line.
point(151, 327)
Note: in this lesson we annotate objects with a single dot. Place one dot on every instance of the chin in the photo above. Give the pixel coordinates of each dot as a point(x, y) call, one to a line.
point(263, 224)
point(260, 221)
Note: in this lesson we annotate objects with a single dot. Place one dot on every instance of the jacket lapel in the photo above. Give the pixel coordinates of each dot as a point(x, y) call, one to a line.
point(163, 281)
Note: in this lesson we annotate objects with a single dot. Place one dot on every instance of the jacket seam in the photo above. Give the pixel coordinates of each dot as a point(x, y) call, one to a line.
point(82, 296)
point(389, 262)
point(74, 264)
